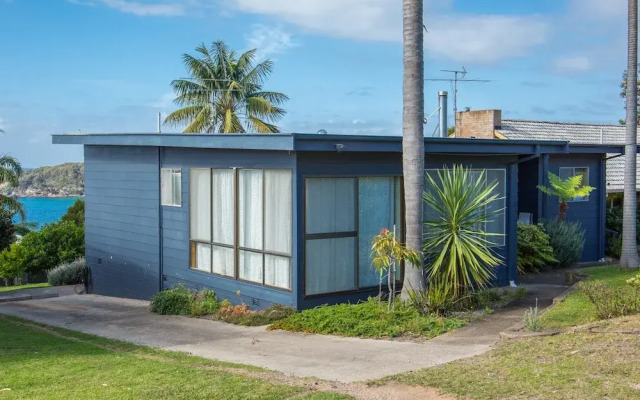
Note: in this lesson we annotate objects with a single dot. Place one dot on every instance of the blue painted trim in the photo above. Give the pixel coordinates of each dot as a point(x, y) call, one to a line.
point(512, 228)
point(603, 207)
point(333, 143)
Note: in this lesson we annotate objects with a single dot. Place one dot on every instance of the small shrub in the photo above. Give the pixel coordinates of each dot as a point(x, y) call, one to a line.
point(567, 241)
point(241, 315)
point(75, 213)
point(205, 302)
point(176, 301)
point(614, 246)
point(367, 319)
point(10, 267)
point(534, 249)
point(67, 273)
point(609, 301)
point(532, 320)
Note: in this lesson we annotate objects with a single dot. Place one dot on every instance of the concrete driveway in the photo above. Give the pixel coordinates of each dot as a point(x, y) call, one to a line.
point(325, 357)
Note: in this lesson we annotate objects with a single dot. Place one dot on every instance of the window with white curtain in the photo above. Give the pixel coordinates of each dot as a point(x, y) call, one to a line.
point(241, 224)
point(568, 172)
point(497, 208)
point(171, 187)
point(342, 215)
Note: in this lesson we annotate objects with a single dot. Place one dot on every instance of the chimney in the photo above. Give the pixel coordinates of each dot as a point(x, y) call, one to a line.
point(442, 96)
point(480, 124)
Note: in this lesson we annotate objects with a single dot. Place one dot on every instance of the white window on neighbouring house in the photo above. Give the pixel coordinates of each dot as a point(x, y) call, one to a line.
point(241, 224)
point(568, 172)
point(171, 187)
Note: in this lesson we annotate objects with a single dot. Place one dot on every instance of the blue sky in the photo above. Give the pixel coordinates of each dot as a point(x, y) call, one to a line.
point(106, 65)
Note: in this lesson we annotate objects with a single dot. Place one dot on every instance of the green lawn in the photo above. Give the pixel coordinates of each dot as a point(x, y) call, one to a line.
point(29, 286)
point(570, 366)
point(50, 363)
point(576, 309)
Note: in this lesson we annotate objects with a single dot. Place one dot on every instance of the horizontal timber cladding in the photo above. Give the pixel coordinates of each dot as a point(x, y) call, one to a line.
point(336, 164)
point(121, 217)
point(590, 213)
point(176, 220)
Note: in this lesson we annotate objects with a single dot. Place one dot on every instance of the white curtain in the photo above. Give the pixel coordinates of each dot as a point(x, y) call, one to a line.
point(165, 183)
point(250, 265)
point(176, 188)
point(223, 261)
point(250, 206)
point(200, 204)
point(277, 271)
point(278, 213)
point(203, 257)
point(222, 181)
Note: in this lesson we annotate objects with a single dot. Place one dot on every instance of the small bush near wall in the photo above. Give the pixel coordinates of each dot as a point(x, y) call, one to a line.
point(182, 301)
point(609, 301)
point(534, 249)
point(176, 301)
point(567, 241)
point(67, 273)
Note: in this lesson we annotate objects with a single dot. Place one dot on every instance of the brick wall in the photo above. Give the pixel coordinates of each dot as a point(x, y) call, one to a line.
point(479, 124)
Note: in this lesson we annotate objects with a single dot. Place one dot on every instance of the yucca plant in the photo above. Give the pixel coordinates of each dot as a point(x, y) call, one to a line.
point(565, 190)
point(456, 246)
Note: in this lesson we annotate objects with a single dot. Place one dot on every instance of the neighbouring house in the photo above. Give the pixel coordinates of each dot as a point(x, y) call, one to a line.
point(488, 124)
point(289, 218)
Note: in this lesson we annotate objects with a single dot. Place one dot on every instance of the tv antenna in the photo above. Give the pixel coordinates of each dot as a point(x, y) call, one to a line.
point(458, 76)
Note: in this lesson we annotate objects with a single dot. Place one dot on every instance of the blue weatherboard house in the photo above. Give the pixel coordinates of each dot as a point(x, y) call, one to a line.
point(289, 218)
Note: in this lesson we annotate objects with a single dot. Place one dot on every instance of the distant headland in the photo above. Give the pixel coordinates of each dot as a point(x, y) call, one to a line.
point(64, 180)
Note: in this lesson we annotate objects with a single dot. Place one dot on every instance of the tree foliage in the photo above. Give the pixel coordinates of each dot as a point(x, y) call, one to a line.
point(41, 250)
point(456, 247)
point(223, 93)
point(565, 190)
point(9, 229)
point(75, 213)
point(10, 171)
point(534, 248)
point(567, 241)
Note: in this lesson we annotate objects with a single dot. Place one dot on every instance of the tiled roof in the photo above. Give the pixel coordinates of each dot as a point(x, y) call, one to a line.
point(576, 133)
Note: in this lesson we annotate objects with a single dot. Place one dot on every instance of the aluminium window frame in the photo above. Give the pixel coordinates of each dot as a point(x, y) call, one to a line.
point(577, 199)
point(236, 234)
point(172, 173)
point(346, 234)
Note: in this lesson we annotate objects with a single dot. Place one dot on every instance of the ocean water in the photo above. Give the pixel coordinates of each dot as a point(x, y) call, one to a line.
point(44, 210)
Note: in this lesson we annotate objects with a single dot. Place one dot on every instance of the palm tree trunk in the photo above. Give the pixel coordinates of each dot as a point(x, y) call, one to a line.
point(413, 137)
point(629, 258)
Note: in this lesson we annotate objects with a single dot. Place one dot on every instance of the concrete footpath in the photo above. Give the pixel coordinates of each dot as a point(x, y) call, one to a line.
point(325, 357)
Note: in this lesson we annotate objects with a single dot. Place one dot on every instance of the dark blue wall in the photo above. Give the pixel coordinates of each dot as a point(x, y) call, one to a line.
point(528, 173)
point(121, 216)
point(176, 225)
point(589, 213)
point(371, 164)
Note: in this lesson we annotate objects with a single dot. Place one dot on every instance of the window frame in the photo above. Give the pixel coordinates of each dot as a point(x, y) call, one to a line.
point(172, 173)
point(577, 199)
point(504, 201)
point(342, 235)
point(236, 234)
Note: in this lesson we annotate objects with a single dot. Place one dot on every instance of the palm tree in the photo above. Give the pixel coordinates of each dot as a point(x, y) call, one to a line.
point(223, 93)
point(413, 137)
point(10, 171)
point(629, 258)
point(565, 190)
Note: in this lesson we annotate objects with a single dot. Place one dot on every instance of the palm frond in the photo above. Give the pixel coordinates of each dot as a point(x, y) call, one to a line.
point(13, 205)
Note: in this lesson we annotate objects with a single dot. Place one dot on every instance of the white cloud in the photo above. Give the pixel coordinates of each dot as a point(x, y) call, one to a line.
point(461, 37)
point(358, 122)
point(140, 8)
point(573, 64)
point(598, 9)
point(164, 102)
point(484, 39)
point(269, 40)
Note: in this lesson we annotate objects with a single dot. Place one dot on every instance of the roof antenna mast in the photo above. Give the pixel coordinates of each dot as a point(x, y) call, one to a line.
point(458, 76)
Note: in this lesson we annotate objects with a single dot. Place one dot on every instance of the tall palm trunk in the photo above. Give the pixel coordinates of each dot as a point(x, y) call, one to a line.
point(629, 259)
point(413, 136)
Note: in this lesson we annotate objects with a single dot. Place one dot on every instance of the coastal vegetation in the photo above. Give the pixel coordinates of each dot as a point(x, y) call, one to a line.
point(224, 94)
